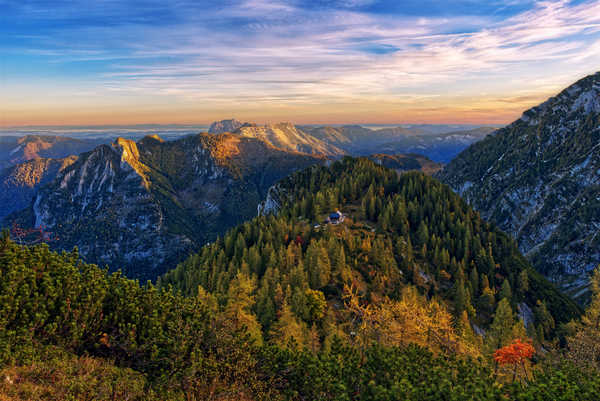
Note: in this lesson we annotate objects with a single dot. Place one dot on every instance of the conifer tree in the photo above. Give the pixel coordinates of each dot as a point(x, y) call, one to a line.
point(287, 329)
point(522, 283)
point(500, 332)
point(460, 298)
point(239, 306)
point(505, 291)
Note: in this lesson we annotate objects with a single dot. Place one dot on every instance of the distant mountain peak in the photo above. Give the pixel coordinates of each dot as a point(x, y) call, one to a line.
point(218, 127)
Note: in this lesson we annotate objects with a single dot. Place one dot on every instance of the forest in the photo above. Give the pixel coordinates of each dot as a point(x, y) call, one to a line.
point(411, 296)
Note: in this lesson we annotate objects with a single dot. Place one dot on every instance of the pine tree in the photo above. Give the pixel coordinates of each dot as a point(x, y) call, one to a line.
point(239, 305)
point(288, 330)
point(316, 304)
point(584, 342)
point(500, 332)
point(505, 291)
point(460, 298)
point(474, 279)
point(544, 320)
point(522, 284)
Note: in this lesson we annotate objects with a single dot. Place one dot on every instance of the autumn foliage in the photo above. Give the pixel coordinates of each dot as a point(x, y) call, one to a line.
point(515, 354)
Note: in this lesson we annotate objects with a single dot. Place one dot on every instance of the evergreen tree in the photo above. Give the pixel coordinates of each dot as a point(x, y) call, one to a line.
point(240, 302)
point(522, 284)
point(500, 333)
point(460, 298)
point(505, 291)
point(288, 330)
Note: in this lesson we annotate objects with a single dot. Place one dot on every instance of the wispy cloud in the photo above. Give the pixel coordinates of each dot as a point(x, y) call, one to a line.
point(242, 53)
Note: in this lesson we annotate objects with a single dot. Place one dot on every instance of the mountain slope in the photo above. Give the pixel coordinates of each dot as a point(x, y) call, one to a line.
point(20, 183)
point(539, 180)
point(438, 146)
point(70, 331)
point(400, 234)
point(288, 137)
point(143, 206)
point(14, 150)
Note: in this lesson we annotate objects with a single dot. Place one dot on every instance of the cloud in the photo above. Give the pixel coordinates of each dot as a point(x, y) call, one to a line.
point(264, 51)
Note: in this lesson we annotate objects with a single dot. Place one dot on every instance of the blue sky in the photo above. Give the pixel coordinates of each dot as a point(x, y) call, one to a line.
point(180, 61)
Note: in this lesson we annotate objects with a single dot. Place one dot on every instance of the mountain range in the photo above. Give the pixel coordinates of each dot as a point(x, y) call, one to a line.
point(143, 205)
point(438, 146)
point(539, 180)
point(15, 149)
point(155, 200)
point(439, 143)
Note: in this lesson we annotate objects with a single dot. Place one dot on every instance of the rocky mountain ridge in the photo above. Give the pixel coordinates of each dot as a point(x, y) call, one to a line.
point(288, 137)
point(539, 180)
point(220, 127)
point(20, 183)
point(439, 143)
point(15, 150)
point(142, 206)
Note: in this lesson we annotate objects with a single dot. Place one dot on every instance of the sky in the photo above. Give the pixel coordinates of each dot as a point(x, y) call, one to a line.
point(322, 61)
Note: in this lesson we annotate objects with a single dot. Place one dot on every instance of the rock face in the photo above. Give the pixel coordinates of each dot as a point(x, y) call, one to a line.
point(20, 183)
point(539, 180)
point(219, 127)
point(143, 206)
point(288, 137)
point(15, 150)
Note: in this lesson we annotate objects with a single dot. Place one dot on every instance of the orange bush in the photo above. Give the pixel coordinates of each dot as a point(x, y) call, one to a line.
point(515, 353)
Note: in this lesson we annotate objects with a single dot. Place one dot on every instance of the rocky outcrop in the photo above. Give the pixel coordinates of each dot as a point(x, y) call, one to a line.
point(539, 180)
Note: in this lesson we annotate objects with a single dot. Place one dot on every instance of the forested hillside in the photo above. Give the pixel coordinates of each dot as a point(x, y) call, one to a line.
point(424, 264)
point(71, 331)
